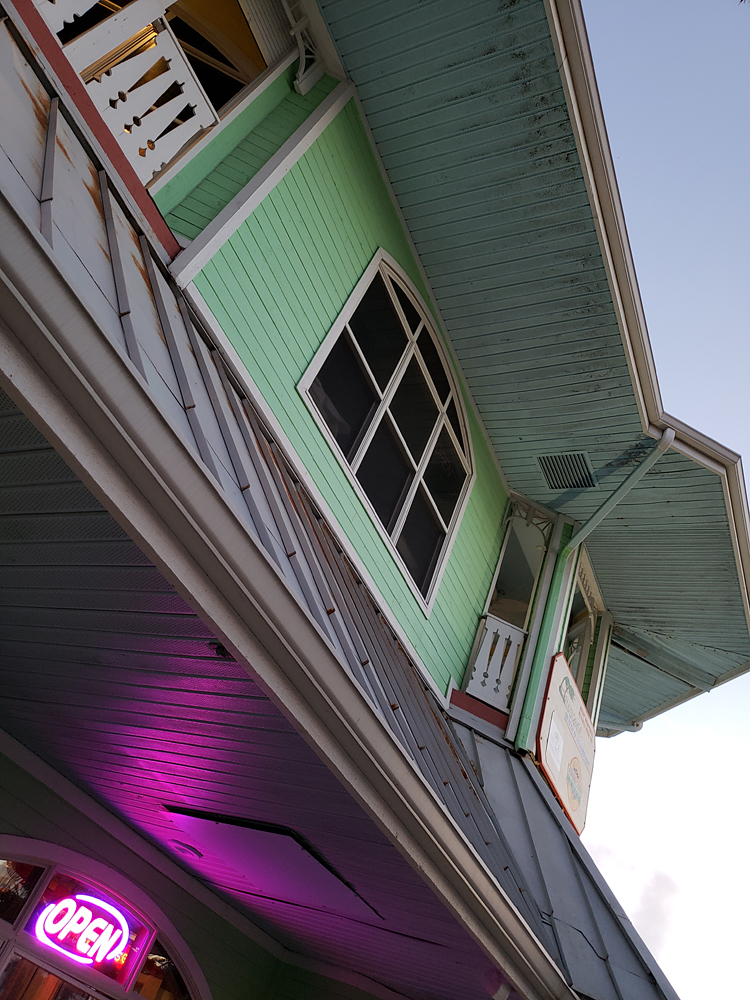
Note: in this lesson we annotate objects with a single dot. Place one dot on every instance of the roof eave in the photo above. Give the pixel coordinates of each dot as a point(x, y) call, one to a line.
point(576, 67)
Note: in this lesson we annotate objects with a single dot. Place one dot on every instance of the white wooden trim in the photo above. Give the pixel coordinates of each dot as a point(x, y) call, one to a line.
point(269, 25)
point(75, 114)
point(576, 67)
point(86, 401)
point(246, 381)
point(187, 264)
point(244, 99)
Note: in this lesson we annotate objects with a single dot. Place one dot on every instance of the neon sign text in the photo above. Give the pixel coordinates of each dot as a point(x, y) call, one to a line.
point(74, 927)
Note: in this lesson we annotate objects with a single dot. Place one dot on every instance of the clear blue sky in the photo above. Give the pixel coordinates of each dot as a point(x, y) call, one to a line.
point(669, 815)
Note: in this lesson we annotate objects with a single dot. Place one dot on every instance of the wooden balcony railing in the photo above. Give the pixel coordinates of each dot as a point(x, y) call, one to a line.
point(138, 77)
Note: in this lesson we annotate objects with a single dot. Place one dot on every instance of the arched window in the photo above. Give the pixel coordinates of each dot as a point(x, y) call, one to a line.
point(384, 393)
point(64, 936)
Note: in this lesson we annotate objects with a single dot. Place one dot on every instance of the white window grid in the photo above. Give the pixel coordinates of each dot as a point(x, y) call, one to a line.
point(382, 263)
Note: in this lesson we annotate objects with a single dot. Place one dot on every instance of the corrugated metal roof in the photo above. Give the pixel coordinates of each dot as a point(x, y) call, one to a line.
point(467, 108)
point(604, 957)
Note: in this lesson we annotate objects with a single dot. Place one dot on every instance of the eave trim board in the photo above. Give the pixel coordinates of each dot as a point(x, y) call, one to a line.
point(189, 262)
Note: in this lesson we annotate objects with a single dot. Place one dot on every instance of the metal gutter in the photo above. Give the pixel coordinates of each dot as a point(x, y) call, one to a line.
point(576, 68)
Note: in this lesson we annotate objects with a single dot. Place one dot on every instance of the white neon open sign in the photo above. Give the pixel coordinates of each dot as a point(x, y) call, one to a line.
point(73, 928)
point(88, 927)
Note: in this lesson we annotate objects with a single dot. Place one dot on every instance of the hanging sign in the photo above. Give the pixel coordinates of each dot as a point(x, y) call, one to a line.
point(89, 927)
point(565, 742)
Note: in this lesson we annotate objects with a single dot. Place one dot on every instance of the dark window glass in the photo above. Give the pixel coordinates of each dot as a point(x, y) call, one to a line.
point(412, 316)
point(220, 87)
point(455, 422)
point(385, 473)
point(188, 34)
point(159, 978)
point(435, 367)
point(420, 541)
point(445, 476)
point(17, 880)
point(379, 332)
point(343, 394)
point(414, 409)
point(349, 396)
point(22, 980)
point(520, 567)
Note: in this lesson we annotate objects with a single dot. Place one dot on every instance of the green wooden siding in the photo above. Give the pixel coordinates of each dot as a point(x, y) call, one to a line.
point(276, 287)
point(215, 190)
point(223, 140)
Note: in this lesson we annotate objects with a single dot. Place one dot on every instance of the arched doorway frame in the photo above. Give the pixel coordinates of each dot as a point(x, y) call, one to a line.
point(52, 856)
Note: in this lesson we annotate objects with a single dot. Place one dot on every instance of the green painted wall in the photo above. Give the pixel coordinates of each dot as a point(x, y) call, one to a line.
point(223, 141)
point(276, 287)
point(199, 192)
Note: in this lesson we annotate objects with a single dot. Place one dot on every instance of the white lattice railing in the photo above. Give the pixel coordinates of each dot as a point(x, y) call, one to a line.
point(138, 77)
point(490, 675)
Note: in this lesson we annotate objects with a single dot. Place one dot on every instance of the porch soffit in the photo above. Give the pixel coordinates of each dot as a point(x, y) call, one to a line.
point(110, 677)
point(469, 115)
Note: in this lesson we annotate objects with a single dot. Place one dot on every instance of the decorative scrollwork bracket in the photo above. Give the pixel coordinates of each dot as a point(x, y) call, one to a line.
point(310, 68)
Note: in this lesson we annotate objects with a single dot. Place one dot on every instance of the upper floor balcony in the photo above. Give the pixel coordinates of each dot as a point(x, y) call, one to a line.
point(162, 74)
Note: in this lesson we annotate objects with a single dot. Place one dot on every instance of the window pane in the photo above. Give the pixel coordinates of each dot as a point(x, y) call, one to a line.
point(379, 332)
point(522, 561)
point(412, 316)
point(159, 978)
point(455, 422)
point(385, 474)
point(96, 930)
point(16, 883)
point(22, 980)
point(445, 476)
point(414, 409)
point(420, 541)
point(434, 364)
point(343, 394)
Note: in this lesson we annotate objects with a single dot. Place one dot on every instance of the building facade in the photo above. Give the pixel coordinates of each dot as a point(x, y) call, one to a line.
point(340, 513)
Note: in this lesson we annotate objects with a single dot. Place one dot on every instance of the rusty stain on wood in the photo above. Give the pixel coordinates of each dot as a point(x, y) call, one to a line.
point(40, 107)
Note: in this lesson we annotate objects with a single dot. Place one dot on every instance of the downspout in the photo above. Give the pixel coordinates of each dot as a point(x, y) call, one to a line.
point(532, 701)
point(527, 662)
point(622, 490)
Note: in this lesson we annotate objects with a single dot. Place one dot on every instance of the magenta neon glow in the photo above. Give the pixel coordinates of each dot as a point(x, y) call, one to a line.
point(80, 919)
point(42, 936)
point(124, 929)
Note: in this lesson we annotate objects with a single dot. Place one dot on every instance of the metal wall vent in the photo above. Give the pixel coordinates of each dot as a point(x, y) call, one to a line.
point(571, 471)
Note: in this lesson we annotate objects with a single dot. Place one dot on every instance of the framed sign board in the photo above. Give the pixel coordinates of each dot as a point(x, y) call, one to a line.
point(565, 743)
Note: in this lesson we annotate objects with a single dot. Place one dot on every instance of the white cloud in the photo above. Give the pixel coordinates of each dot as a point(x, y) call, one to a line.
point(653, 915)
